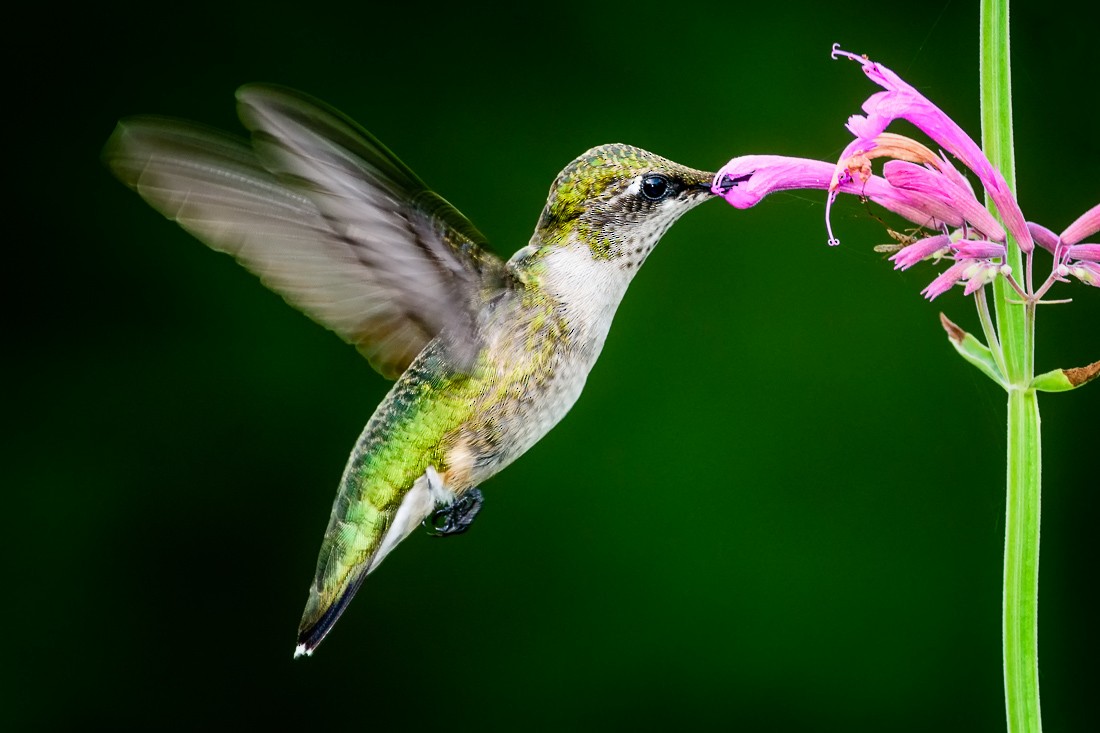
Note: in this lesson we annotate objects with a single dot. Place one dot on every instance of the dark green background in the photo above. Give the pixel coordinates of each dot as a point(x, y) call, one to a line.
point(778, 505)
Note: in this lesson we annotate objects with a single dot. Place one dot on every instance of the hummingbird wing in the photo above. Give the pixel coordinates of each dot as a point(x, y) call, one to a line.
point(325, 215)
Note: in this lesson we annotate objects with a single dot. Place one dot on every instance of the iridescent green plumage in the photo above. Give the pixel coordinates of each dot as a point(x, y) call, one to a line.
point(491, 354)
point(412, 429)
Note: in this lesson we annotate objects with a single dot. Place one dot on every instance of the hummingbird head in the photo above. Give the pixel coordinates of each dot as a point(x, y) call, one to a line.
point(618, 201)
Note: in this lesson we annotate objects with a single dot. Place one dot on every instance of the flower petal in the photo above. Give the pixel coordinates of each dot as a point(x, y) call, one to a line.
point(919, 208)
point(979, 276)
point(913, 177)
point(920, 250)
point(1090, 252)
point(899, 147)
point(903, 101)
point(946, 280)
point(1086, 224)
point(979, 250)
point(1045, 238)
point(1086, 272)
point(744, 181)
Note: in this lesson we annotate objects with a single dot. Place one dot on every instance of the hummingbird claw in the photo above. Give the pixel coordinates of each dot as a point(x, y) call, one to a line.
point(457, 517)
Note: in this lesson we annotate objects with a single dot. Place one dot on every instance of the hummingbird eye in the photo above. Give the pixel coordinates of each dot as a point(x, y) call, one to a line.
point(655, 187)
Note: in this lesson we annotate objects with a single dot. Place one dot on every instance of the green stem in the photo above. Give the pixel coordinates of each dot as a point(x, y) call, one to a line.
point(1016, 326)
point(1021, 592)
point(990, 332)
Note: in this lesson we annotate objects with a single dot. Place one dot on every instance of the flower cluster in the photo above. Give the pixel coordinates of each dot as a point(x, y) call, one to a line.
point(926, 189)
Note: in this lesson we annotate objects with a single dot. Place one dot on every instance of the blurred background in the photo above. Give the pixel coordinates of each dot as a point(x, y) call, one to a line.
point(778, 506)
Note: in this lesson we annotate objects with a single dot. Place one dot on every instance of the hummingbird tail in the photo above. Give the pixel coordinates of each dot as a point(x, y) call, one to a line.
point(343, 564)
point(311, 634)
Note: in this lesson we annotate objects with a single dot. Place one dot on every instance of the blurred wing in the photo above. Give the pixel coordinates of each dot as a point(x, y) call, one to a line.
point(388, 278)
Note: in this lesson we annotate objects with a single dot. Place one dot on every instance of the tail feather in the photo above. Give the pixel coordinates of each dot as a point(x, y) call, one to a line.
point(312, 632)
point(344, 564)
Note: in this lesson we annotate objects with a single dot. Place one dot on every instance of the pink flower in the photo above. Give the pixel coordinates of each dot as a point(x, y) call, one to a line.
point(744, 181)
point(929, 247)
point(1082, 261)
point(1087, 224)
point(901, 101)
point(925, 188)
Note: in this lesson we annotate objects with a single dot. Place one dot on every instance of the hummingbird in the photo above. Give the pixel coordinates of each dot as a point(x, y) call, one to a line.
point(488, 355)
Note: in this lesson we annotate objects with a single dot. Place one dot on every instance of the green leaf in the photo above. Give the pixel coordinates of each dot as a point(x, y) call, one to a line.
point(1063, 380)
point(973, 350)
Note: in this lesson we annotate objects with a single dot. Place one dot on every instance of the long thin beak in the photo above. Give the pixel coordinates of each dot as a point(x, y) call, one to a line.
point(703, 187)
point(706, 186)
point(728, 183)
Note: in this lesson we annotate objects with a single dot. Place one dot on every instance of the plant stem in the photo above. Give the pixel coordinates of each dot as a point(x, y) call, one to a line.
point(1016, 325)
point(990, 331)
point(1021, 591)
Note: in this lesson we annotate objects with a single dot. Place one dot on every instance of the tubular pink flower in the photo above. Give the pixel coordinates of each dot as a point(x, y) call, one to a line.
point(901, 101)
point(1071, 258)
point(918, 207)
point(1090, 252)
point(1086, 224)
point(980, 274)
point(945, 167)
point(947, 279)
point(924, 187)
point(1083, 262)
point(939, 245)
point(974, 267)
point(979, 250)
point(1086, 272)
point(744, 181)
point(902, 174)
point(1045, 238)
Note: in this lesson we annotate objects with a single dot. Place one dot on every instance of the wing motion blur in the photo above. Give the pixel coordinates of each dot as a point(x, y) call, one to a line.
point(325, 215)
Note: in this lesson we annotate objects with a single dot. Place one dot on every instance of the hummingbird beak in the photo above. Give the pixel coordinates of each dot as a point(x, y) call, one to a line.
point(697, 183)
point(702, 185)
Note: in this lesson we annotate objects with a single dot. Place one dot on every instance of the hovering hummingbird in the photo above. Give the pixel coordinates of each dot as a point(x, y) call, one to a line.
point(488, 355)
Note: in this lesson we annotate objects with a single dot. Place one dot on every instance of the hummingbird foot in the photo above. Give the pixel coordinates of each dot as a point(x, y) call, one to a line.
point(457, 517)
